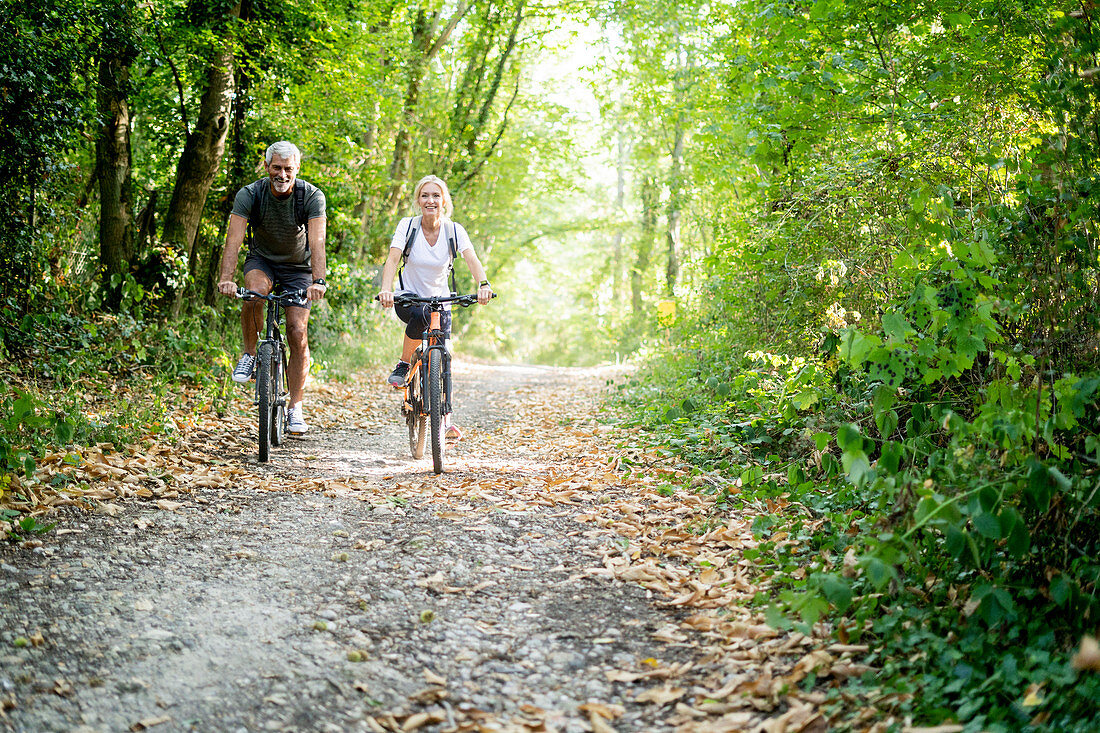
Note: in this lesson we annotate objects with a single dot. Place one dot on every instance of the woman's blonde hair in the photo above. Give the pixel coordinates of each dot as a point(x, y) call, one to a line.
point(448, 206)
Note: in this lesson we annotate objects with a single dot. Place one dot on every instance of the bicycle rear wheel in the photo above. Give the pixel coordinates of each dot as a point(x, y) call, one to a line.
point(414, 415)
point(264, 393)
point(435, 407)
point(279, 395)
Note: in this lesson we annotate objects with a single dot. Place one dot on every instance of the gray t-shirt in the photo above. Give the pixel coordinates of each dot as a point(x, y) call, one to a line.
point(276, 236)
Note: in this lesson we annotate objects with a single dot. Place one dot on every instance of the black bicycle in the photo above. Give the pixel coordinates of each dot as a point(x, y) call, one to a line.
point(427, 403)
point(272, 387)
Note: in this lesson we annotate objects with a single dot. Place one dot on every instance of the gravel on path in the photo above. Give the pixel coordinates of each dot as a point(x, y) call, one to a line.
point(419, 602)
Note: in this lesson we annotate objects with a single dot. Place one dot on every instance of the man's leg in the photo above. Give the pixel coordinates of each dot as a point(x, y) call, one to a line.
point(252, 312)
point(297, 337)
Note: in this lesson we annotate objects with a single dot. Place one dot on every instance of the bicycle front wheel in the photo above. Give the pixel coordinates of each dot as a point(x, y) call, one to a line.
point(414, 416)
point(435, 406)
point(264, 398)
point(279, 395)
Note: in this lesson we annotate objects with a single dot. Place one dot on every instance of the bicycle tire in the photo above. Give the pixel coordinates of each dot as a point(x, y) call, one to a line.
point(263, 398)
point(278, 407)
point(435, 407)
point(414, 416)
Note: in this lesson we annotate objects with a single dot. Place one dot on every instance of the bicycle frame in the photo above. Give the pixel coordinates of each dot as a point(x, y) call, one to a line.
point(427, 397)
point(435, 340)
point(271, 370)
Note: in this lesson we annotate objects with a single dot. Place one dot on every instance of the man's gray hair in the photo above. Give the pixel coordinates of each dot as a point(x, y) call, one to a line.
point(283, 149)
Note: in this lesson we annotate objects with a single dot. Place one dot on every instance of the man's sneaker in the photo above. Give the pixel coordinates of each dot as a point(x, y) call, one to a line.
point(295, 423)
point(245, 366)
point(397, 378)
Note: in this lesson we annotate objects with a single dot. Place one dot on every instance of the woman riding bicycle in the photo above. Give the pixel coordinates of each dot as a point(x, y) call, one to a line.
point(431, 240)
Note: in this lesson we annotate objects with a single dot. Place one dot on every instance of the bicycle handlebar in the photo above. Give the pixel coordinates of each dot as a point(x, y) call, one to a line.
point(412, 299)
point(290, 297)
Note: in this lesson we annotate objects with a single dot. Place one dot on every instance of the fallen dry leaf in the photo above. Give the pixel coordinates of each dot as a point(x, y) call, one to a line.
point(433, 679)
point(604, 710)
point(661, 695)
point(1087, 658)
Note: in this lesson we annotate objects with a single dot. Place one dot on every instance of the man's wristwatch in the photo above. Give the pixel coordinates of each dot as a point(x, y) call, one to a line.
point(320, 281)
point(485, 284)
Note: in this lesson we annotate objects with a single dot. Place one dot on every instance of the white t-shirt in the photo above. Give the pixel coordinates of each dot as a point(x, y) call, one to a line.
point(426, 271)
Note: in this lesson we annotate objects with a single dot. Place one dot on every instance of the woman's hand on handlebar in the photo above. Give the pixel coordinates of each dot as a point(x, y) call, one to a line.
point(484, 294)
point(386, 298)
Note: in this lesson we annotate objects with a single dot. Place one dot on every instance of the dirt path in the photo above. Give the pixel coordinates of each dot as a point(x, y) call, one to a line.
point(536, 585)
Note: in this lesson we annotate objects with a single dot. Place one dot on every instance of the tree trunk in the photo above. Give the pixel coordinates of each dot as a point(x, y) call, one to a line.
point(674, 210)
point(469, 133)
point(425, 47)
point(202, 155)
point(682, 83)
point(112, 150)
point(650, 200)
point(620, 214)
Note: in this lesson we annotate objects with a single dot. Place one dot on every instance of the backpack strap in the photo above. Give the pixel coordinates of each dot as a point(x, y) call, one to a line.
point(452, 243)
point(254, 212)
point(410, 235)
point(299, 202)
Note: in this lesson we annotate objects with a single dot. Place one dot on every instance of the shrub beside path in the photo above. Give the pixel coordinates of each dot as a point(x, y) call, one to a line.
point(552, 579)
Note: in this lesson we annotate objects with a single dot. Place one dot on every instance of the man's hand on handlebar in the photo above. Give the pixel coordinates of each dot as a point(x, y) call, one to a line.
point(227, 287)
point(316, 291)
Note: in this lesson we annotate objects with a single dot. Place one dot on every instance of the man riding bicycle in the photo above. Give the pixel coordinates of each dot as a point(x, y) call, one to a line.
point(285, 218)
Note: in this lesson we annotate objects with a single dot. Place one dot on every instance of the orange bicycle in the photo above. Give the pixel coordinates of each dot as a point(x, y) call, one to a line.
point(427, 390)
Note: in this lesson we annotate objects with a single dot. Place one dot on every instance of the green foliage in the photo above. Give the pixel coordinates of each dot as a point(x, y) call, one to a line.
point(896, 331)
point(24, 527)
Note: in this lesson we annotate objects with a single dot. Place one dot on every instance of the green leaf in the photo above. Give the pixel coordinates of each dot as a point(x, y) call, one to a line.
point(848, 437)
point(987, 524)
point(1039, 488)
point(63, 431)
point(955, 539)
point(858, 467)
point(886, 423)
point(890, 457)
point(1019, 538)
point(896, 327)
point(855, 345)
point(878, 573)
point(23, 407)
point(1061, 590)
point(1059, 478)
point(838, 592)
point(774, 617)
point(806, 399)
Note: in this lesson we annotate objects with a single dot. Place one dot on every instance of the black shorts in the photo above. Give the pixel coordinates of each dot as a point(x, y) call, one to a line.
point(290, 277)
point(417, 317)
